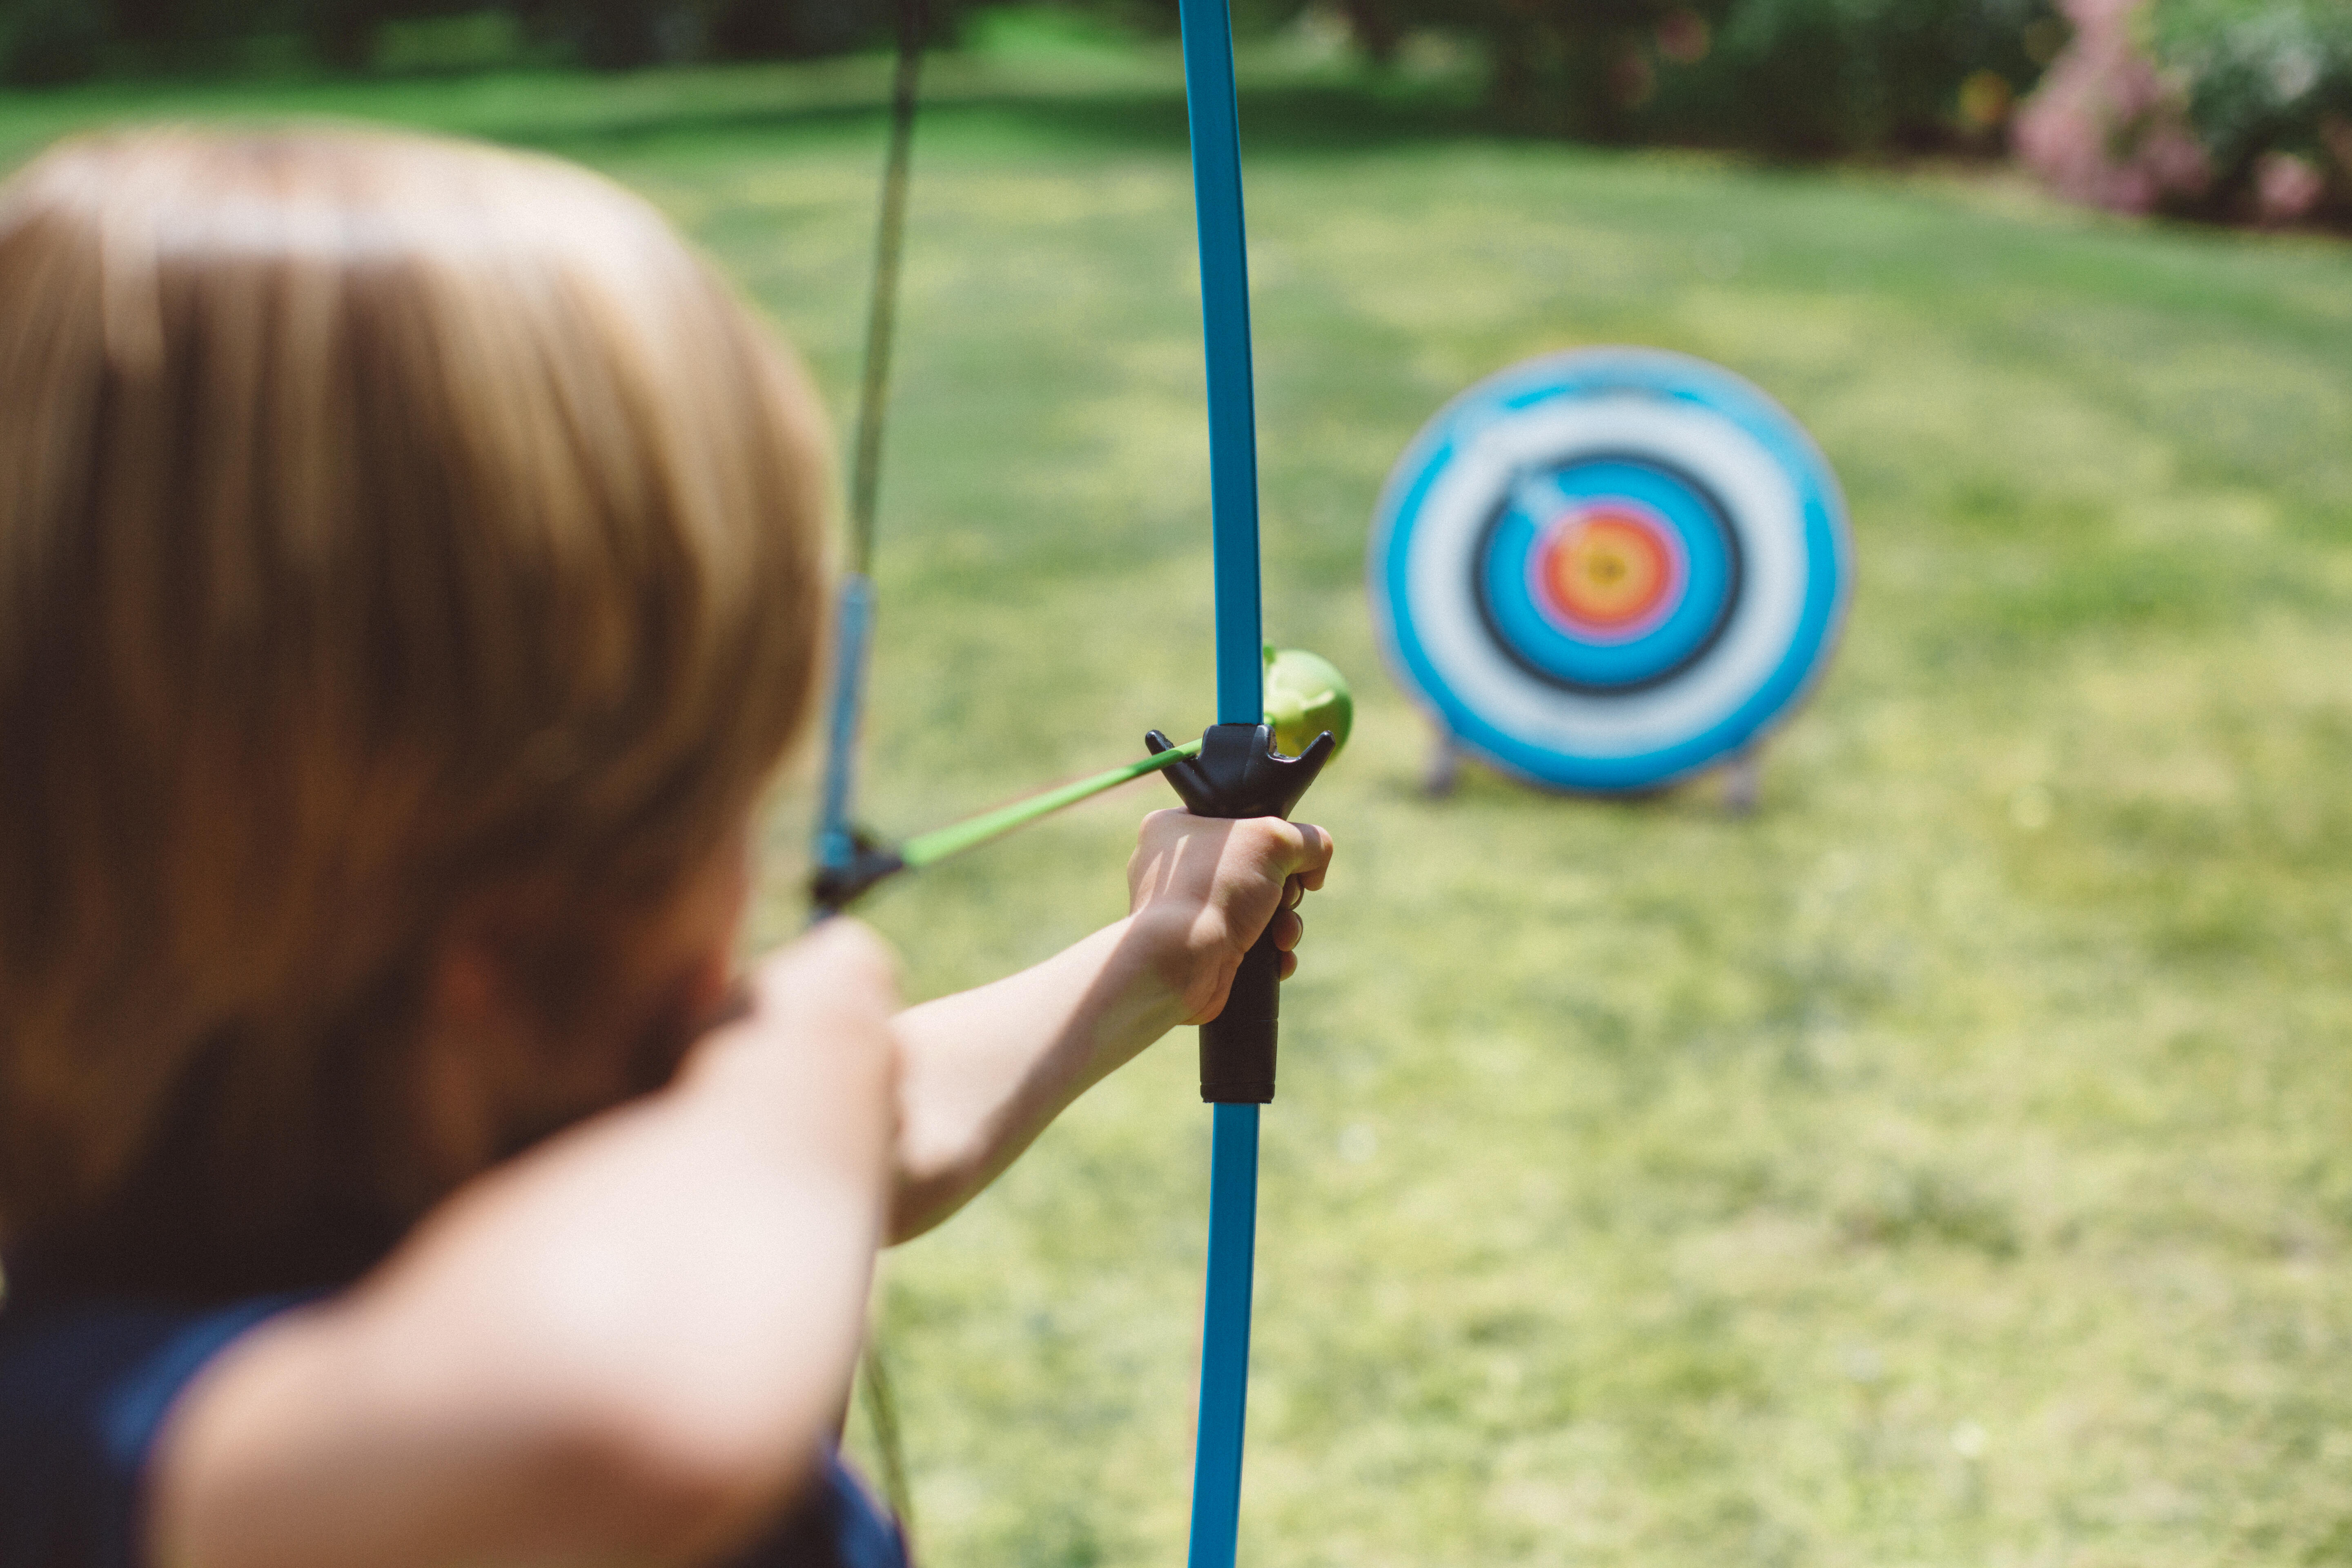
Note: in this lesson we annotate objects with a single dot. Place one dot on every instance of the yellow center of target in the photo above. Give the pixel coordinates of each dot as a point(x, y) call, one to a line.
point(1607, 569)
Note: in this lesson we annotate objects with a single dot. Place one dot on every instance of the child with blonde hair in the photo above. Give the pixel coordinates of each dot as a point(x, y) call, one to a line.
point(412, 576)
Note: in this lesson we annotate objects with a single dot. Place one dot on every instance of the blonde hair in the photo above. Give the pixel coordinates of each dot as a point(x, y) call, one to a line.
point(380, 520)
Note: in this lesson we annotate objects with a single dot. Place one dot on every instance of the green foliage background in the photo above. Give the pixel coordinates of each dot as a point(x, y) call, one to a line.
point(2262, 76)
point(1807, 76)
point(1802, 77)
point(1948, 1165)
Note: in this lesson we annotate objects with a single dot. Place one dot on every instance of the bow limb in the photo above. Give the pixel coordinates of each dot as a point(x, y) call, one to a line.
point(1213, 113)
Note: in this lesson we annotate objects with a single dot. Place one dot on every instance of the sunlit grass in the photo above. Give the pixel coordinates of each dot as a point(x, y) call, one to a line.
point(1946, 1165)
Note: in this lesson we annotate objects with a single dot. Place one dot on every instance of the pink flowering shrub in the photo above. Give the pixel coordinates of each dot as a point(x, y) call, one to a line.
point(2287, 188)
point(2237, 108)
point(2107, 126)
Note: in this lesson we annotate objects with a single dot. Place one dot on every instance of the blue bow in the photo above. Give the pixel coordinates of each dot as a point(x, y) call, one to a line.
point(1237, 1048)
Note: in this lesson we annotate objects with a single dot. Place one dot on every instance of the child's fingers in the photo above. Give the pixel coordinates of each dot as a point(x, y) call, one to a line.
point(1288, 849)
point(1316, 856)
point(1287, 928)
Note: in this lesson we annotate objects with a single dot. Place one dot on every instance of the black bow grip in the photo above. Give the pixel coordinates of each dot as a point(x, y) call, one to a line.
point(1239, 774)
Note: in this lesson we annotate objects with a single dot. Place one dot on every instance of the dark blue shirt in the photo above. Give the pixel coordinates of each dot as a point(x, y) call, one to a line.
point(86, 1381)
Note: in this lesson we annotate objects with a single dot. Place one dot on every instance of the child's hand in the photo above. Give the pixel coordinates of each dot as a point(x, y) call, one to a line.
point(982, 1072)
point(1202, 889)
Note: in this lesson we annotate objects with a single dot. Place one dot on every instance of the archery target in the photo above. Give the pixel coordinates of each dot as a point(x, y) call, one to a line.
point(1605, 569)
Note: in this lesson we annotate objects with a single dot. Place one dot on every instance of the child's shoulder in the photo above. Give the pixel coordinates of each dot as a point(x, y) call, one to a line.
point(86, 1381)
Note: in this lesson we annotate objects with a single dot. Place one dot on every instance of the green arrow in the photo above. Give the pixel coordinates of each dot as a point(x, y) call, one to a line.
point(931, 848)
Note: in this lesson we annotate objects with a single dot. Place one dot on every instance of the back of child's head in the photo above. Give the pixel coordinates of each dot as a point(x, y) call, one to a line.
point(382, 521)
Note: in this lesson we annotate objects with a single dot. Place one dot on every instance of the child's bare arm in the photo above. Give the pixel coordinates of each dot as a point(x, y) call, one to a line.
point(630, 1345)
point(983, 1072)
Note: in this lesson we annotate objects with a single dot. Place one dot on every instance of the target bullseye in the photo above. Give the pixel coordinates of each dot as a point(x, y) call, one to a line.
point(1605, 569)
point(1608, 572)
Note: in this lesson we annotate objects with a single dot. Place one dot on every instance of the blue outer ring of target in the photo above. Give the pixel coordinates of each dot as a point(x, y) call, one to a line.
point(1738, 688)
point(1711, 580)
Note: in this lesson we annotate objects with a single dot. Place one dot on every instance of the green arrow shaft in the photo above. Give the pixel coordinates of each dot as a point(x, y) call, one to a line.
point(931, 848)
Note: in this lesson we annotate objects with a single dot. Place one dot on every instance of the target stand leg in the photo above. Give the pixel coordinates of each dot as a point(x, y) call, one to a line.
point(1743, 781)
point(1444, 769)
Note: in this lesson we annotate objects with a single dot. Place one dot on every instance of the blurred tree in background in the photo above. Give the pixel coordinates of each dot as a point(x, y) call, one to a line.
point(43, 42)
point(2228, 109)
point(1801, 77)
point(1805, 77)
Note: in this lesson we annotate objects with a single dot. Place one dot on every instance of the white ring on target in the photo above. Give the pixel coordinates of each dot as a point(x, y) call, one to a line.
point(1762, 507)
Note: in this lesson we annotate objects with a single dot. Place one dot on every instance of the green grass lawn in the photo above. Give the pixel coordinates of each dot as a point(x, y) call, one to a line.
point(1950, 1164)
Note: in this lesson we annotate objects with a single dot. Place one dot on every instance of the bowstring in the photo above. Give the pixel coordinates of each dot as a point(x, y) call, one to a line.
point(882, 318)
